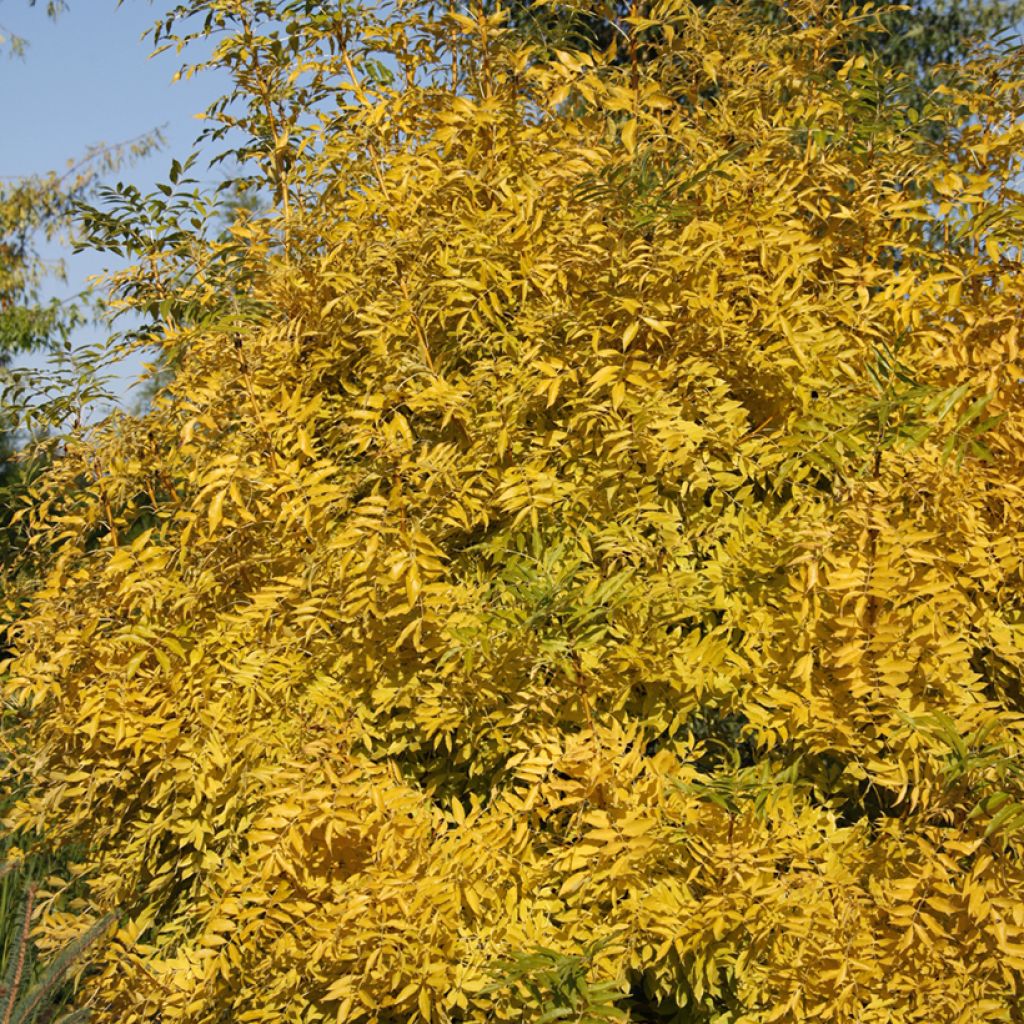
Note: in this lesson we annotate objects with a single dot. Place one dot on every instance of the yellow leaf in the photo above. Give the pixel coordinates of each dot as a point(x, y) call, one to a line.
point(628, 135)
point(215, 512)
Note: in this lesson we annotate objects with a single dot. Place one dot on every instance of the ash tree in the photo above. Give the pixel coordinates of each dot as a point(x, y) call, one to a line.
point(575, 570)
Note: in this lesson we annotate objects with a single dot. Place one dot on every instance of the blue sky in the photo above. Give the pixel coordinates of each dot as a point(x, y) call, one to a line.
point(86, 79)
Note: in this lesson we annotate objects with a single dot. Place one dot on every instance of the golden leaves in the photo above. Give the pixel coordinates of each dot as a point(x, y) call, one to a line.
point(579, 558)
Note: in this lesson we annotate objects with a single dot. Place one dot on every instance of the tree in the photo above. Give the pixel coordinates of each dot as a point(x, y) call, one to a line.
point(25, 206)
point(28, 207)
point(31, 208)
point(35, 209)
point(915, 37)
point(33, 404)
point(576, 568)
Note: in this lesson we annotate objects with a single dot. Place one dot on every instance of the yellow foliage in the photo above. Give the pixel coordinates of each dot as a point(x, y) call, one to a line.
point(596, 517)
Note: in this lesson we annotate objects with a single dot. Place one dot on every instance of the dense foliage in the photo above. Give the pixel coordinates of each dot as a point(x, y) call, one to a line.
point(915, 36)
point(576, 568)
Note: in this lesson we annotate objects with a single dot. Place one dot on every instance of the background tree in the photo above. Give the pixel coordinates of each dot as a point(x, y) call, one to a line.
point(24, 207)
point(36, 210)
point(33, 210)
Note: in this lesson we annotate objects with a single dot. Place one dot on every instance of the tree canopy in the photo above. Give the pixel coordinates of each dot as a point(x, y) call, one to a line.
point(575, 570)
point(914, 37)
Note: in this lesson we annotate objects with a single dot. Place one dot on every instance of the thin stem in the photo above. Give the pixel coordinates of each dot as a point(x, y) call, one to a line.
point(634, 59)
